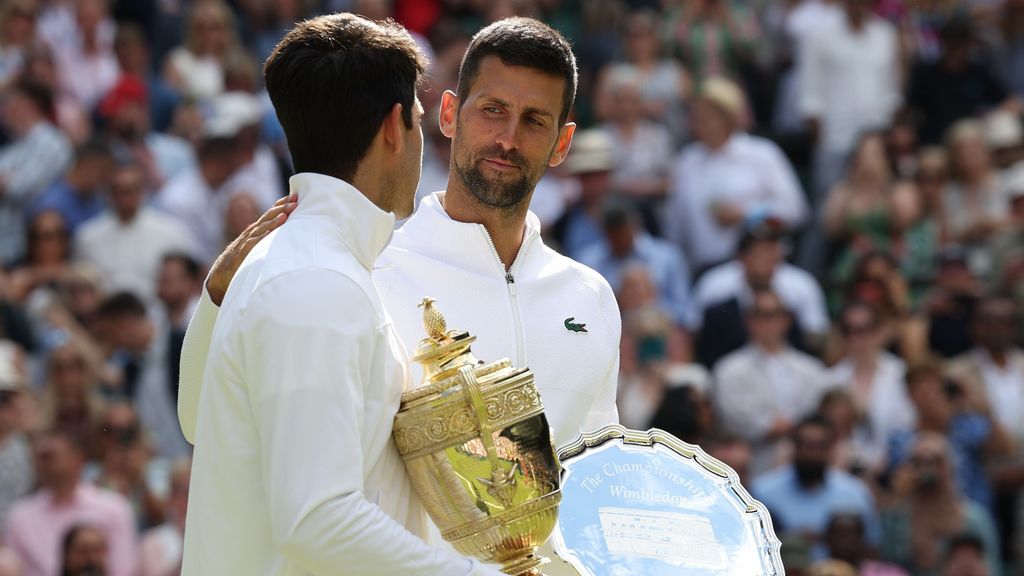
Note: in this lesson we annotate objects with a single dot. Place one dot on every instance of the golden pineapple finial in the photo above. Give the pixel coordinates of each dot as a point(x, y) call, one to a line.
point(433, 320)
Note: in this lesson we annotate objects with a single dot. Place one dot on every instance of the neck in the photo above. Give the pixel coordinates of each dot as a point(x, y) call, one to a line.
point(999, 356)
point(211, 174)
point(772, 347)
point(127, 217)
point(506, 226)
point(63, 492)
point(717, 142)
point(856, 20)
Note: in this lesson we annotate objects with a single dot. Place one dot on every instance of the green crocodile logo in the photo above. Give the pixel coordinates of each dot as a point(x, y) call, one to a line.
point(570, 326)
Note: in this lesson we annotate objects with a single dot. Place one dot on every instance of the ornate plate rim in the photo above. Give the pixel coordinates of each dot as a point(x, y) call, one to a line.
point(693, 452)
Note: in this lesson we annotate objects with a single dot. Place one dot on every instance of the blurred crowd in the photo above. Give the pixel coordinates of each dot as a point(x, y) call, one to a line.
point(811, 212)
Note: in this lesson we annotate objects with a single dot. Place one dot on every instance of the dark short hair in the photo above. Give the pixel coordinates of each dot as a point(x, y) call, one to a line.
point(756, 234)
point(192, 268)
point(814, 421)
point(523, 42)
point(333, 79)
point(95, 148)
point(36, 92)
point(121, 305)
point(69, 539)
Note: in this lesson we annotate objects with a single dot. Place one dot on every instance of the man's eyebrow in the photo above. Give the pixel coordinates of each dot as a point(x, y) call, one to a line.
point(526, 110)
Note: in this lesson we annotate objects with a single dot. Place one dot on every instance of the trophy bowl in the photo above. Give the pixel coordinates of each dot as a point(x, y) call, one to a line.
point(478, 450)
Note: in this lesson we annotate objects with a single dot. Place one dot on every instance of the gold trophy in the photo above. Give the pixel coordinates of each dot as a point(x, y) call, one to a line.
point(478, 449)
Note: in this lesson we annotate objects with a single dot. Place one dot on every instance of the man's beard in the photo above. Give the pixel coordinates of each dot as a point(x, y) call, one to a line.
point(493, 192)
point(809, 473)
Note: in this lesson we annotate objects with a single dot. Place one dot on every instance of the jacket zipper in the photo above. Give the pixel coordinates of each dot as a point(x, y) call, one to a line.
point(510, 283)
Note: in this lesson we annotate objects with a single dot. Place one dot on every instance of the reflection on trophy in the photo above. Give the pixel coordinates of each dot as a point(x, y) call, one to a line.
point(478, 449)
point(477, 446)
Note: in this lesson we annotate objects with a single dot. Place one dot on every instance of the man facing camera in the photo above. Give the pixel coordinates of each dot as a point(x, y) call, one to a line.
point(294, 469)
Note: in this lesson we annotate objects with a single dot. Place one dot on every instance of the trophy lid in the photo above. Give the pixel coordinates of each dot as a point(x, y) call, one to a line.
point(442, 352)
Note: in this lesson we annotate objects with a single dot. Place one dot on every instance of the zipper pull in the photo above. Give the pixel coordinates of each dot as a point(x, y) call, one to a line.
point(509, 279)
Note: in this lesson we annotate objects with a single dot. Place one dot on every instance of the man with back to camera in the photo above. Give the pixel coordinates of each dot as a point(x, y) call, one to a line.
point(294, 471)
point(477, 249)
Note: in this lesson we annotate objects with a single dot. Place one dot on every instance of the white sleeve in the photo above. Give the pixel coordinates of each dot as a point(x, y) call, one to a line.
point(308, 362)
point(786, 201)
point(193, 362)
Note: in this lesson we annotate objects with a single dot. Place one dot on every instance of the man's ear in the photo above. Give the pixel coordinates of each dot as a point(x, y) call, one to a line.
point(562, 146)
point(448, 115)
point(393, 129)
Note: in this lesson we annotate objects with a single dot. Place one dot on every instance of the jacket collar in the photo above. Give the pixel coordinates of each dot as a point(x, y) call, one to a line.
point(432, 232)
point(364, 227)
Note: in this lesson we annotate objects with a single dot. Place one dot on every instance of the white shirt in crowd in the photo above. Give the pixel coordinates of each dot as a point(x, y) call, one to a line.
point(754, 389)
point(886, 403)
point(128, 254)
point(799, 291)
point(1005, 388)
point(294, 467)
point(848, 79)
point(749, 172)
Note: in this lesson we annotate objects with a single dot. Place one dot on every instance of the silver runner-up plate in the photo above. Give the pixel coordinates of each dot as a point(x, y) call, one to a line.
point(646, 503)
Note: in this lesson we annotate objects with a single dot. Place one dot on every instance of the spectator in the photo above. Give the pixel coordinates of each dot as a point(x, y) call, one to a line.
point(239, 115)
point(48, 256)
point(82, 40)
point(649, 334)
point(806, 493)
point(641, 150)
point(1007, 248)
point(873, 376)
point(144, 350)
point(734, 452)
point(845, 538)
point(940, 406)
point(965, 556)
point(721, 294)
point(123, 464)
point(590, 162)
point(763, 389)
point(16, 475)
point(162, 546)
point(134, 58)
point(31, 161)
point(958, 85)
point(949, 303)
point(84, 552)
point(685, 411)
point(128, 241)
point(974, 204)
point(198, 197)
point(81, 194)
point(196, 68)
point(67, 113)
point(993, 371)
point(125, 114)
point(17, 31)
point(860, 213)
point(179, 288)
point(726, 178)
point(848, 84)
point(716, 38)
point(929, 513)
point(854, 450)
point(663, 82)
point(625, 242)
point(71, 401)
point(37, 523)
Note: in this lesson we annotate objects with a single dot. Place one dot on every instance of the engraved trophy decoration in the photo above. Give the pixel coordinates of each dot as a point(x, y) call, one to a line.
point(478, 450)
